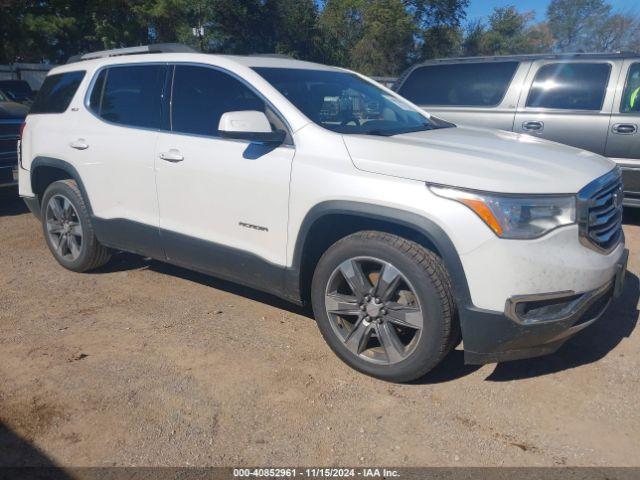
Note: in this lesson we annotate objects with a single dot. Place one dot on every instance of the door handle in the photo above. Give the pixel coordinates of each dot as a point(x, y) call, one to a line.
point(172, 155)
point(625, 128)
point(79, 144)
point(533, 126)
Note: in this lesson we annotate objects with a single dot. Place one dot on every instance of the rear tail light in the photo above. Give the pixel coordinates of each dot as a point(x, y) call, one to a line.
point(21, 131)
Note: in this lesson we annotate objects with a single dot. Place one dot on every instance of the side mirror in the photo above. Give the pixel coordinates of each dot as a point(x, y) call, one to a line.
point(249, 125)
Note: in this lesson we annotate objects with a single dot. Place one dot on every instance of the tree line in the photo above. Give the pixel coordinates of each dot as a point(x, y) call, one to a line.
point(378, 37)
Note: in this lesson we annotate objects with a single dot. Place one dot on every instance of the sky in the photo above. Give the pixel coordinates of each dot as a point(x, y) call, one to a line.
point(480, 9)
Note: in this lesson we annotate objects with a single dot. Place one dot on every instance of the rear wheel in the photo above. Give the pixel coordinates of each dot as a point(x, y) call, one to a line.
point(68, 230)
point(384, 305)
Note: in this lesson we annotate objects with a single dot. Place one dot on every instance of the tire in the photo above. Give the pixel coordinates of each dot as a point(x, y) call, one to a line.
point(81, 251)
point(421, 311)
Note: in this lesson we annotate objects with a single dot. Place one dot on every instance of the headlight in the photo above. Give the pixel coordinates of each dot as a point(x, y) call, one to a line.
point(512, 216)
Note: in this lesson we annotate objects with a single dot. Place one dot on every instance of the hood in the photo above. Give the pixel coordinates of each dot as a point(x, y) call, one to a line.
point(479, 159)
point(13, 110)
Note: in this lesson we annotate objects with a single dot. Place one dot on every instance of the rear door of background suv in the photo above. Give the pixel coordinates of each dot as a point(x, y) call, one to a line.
point(623, 143)
point(569, 102)
point(482, 93)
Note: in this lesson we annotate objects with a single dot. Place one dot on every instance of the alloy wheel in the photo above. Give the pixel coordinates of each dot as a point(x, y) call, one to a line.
point(63, 227)
point(374, 310)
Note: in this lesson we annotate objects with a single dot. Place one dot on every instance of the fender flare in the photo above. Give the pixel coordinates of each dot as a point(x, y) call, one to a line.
point(422, 225)
point(62, 165)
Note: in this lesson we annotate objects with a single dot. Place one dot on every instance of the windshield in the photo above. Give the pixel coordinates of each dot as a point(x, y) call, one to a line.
point(345, 103)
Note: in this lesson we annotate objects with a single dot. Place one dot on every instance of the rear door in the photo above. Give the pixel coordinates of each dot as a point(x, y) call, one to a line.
point(569, 102)
point(623, 144)
point(483, 94)
point(113, 147)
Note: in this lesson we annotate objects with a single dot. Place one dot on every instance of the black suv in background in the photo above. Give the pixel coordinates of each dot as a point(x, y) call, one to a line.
point(12, 116)
point(18, 91)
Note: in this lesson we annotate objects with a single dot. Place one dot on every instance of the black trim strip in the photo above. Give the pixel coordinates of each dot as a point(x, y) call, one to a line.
point(229, 263)
point(33, 204)
point(134, 237)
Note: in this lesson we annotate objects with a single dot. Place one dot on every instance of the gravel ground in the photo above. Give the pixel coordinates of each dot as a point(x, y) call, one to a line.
point(142, 363)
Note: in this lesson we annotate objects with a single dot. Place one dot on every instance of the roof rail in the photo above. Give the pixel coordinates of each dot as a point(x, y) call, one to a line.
point(153, 48)
point(534, 56)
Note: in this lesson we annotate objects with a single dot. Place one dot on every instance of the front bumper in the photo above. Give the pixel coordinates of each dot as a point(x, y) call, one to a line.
point(535, 325)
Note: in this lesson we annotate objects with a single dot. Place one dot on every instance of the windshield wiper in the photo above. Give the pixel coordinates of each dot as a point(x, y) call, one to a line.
point(391, 133)
point(381, 133)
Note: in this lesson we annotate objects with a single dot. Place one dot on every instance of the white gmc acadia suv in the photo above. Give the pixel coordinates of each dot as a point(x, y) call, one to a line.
point(406, 233)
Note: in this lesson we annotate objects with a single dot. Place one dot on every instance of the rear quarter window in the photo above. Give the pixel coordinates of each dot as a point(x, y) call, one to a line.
point(465, 84)
point(56, 92)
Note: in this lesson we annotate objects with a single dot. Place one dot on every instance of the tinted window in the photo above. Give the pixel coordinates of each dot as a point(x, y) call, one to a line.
point(18, 90)
point(466, 84)
point(131, 95)
point(346, 103)
point(631, 96)
point(570, 86)
point(20, 86)
point(56, 92)
point(201, 95)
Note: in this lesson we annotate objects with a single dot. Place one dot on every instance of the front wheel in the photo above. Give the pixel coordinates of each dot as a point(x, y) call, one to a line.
point(384, 305)
point(68, 230)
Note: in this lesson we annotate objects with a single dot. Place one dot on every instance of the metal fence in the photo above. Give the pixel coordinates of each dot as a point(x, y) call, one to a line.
point(32, 73)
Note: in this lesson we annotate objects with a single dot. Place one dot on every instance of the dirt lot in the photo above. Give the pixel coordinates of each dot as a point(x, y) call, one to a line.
point(146, 364)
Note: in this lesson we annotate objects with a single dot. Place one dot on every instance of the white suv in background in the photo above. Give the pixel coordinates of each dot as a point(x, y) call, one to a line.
point(406, 233)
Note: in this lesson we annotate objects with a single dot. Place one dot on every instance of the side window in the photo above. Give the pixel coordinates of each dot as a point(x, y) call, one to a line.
point(56, 92)
point(631, 96)
point(201, 95)
point(129, 95)
point(570, 86)
point(464, 84)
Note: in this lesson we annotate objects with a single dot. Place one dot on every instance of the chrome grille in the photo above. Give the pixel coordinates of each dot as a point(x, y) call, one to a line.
point(599, 211)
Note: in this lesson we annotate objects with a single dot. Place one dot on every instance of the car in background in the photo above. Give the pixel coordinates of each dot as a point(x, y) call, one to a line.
point(18, 91)
point(588, 101)
point(12, 116)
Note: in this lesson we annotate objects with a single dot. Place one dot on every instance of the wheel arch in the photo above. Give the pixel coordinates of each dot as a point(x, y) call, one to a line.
point(46, 170)
point(329, 221)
